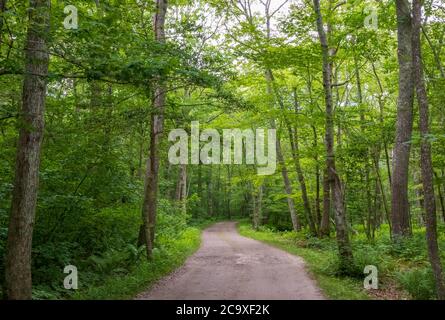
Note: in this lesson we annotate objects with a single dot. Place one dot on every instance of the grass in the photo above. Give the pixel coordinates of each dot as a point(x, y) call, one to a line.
point(319, 263)
point(165, 260)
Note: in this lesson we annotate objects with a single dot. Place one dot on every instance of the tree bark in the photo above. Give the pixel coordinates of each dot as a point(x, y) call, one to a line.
point(381, 120)
point(369, 218)
point(399, 187)
point(425, 153)
point(2, 10)
point(323, 227)
point(325, 219)
point(382, 191)
point(229, 192)
point(157, 126)
point(199, 186)
point(181, 188)
point(24, 195)
point(257, 207)
point(345, 250)
point(210, 192)
point(317, 180)
point(294, 143)
point(442, 205)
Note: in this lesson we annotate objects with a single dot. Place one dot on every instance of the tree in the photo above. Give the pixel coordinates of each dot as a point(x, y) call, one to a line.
point(24, 199)
point(399, 185)
point(2, 10)
point(335, 184)
point(280, 158)
point(156, 128)
point(425, 152)
point(295, 146)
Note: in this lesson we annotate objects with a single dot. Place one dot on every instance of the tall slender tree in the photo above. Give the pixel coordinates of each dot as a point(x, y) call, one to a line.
point(24, 195)
point(157, 125)
point(429, 202)
point(335, 184)
point(295, 147)
point(400, 215)
point(2, 10)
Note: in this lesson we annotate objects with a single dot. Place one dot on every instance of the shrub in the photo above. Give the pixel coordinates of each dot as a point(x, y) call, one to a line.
point(100, 243)
point(418, 282)
point(412, 248)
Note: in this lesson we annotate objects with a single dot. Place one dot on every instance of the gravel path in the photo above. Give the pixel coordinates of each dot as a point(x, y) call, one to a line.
point(230, 266)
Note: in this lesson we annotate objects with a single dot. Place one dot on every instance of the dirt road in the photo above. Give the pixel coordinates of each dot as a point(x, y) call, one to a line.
point(230, 266)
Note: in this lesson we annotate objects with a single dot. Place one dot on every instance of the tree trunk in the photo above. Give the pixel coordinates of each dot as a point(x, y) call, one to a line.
point(157, 126)
point(317, 180)
point(141, 154)
point(399, 187)
point(219, 192)
point(417, 178)
point(210, 192)
point(336, 188)
point(325, 219)
point(229, 192)
point(181, 188)
point(369, 218)
point(287, 185)
point(257, 207)
point(199, 187)
point(425, 153)
point(382, 192)
point(260, 204)
point(322, 221)
point(2, 10)
point(442, 205)
point(296, 156)
point(381, 121)
point(24, 195)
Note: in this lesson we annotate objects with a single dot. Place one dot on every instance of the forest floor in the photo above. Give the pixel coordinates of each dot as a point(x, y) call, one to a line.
point(230, 266)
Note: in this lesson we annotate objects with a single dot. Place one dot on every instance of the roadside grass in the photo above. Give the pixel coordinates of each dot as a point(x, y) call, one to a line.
point(319, 263)
point(404, 271)
point(170, 255)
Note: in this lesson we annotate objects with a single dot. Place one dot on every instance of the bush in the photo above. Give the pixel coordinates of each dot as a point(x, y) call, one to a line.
point(412, 249)
point(419, 283)
point(100, 243)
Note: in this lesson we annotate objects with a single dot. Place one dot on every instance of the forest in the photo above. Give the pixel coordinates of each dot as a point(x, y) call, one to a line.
point(117, 119)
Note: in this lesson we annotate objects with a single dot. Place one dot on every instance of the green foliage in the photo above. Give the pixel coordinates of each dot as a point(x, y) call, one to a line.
point(98, 111)
point(413, 248)
point(144, 274)
point(102, 245)
point(419, 283)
